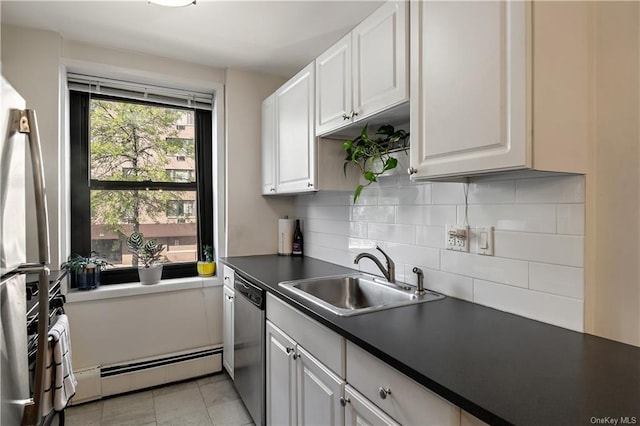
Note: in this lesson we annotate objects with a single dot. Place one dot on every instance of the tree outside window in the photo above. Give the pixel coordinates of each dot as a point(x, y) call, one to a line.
point(136, 152)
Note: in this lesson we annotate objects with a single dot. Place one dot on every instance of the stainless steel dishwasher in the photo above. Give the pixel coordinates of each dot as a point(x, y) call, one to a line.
point(249, 347)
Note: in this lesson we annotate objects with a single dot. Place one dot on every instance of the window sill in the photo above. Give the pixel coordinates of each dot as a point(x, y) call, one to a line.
point(137, 289)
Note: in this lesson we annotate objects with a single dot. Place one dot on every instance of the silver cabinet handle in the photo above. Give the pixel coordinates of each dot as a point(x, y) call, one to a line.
point(310, 184)
point(344, 401)
point(229, 297)
point(354, 114)
point(345, 117)
point(296, 356)
point(289, 350)
point(412, 170)
point(383, 392)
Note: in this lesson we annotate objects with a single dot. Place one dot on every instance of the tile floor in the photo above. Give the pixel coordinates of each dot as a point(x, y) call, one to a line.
point(210, 400)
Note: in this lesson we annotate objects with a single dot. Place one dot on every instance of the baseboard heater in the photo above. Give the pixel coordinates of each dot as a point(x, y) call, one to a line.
point(147, 373)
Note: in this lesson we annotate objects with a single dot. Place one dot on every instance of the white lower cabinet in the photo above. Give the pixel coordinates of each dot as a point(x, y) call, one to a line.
point(309, 366)
point(227, 328)
point(281, 377)
point(404, 400)
point(318, 392)
point(360, 411)
point(300, 389)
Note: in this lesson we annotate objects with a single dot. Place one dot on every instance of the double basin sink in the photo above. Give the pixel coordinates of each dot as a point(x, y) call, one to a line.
point(356, 293)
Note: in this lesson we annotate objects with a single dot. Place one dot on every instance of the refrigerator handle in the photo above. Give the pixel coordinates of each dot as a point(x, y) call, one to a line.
point(28, 125)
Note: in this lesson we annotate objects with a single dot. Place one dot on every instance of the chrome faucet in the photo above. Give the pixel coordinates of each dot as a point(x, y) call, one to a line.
point(389, 273)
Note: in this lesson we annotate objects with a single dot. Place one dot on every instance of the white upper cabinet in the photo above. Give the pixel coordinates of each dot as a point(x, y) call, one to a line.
point(268, 145)
point(366, 72)
point(295, 135)
point(483, 100)
point(469, 87)
point(333, 87)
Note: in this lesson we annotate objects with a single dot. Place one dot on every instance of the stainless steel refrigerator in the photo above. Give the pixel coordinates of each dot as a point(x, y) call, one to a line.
point(20, 404)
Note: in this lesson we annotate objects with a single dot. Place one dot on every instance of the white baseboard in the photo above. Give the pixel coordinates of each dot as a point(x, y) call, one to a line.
point(100, 381)
point(155, 376)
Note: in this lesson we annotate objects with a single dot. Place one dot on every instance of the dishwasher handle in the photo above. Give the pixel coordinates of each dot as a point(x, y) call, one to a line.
point(252, 293)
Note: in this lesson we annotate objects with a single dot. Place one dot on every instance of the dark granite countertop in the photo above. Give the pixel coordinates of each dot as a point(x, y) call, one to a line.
point(502, 368)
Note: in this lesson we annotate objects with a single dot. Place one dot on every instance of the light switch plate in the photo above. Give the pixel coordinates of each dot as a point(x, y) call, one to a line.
point(485, 241)
point(457, 238)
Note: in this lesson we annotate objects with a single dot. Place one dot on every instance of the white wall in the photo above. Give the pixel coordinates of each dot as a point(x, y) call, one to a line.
point(537, 270)
point(30, 61)
point(109, 331)
point(251, 218)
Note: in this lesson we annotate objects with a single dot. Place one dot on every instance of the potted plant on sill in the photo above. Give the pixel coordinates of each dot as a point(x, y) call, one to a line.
point(374, 156)
point(207, 267)
point(147, 254)
point(84, 271)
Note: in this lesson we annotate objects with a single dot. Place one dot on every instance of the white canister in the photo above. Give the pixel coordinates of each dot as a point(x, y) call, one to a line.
point(285, 236)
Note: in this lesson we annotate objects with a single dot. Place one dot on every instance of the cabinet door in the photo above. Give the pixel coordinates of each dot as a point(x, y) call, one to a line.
point(469, 87)
point(295, 148)
point(227, 329)
point(281, 373)
point(318, 392)
point(360, 411)
point(333, 87)
point(380, 58)
point(268, 145)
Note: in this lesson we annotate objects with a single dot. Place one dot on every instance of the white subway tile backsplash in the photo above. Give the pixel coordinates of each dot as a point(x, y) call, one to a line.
point(335, 227)
point(510, 217)
point(557, 189)
point(447, 193)
point(546, 248)
point(426, 215)
point(358, 229)
point(338, 257)
point(415, 194)
point(539, 239)
point(361, 244)
point(561, 311)
point(403, 253)
point(430, 236)
point(338, 242)
point(570, 219)
point(392, 233)
point(499, 192)
point(318, 211)
point(556, 279)
point(377, 214)
point(505, 271)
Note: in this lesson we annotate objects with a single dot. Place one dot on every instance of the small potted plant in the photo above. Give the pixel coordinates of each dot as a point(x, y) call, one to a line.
point(373, 156)
point(84, 271)
point(207, 267)
point(148, 256)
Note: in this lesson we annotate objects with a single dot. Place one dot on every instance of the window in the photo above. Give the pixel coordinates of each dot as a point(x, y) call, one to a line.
point(140, 166)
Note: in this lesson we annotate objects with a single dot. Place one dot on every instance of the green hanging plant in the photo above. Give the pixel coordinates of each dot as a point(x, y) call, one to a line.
point(373, 156)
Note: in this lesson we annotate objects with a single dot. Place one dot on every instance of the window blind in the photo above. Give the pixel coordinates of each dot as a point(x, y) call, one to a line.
point(140, 92)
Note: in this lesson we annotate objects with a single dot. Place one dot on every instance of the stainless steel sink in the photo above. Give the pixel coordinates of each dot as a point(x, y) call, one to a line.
point(356, 294)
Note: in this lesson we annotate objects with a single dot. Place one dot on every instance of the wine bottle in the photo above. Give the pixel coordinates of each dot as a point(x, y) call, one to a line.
point(297, 240)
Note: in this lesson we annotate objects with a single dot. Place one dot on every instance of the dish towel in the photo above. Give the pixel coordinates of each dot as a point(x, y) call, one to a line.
point(60, 383)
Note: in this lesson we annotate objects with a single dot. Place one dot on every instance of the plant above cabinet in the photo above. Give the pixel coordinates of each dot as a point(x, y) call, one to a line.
point(373, 156)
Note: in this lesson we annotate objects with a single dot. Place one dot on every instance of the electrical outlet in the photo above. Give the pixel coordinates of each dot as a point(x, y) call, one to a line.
point(484, 241)
point(457, 238)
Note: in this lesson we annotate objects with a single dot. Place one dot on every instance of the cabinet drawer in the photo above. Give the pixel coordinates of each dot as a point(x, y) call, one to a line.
point(228, 276)
point(408, 402)
point(325, 345)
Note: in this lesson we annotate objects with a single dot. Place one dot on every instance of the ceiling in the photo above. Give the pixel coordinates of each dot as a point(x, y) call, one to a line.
point(275, 37)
